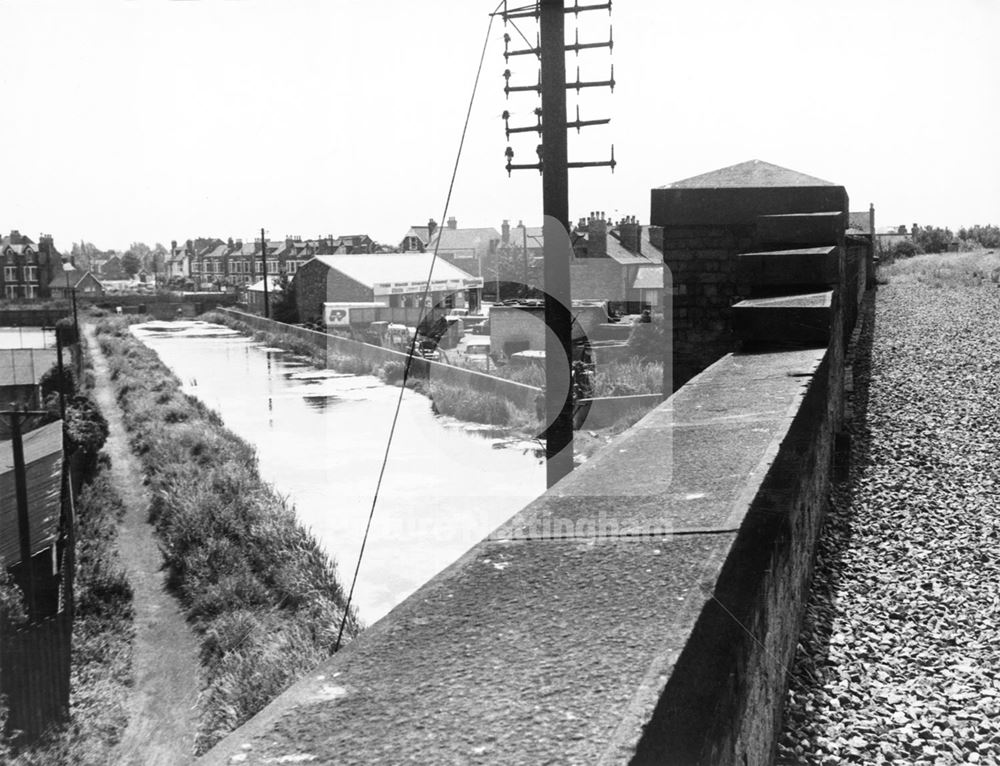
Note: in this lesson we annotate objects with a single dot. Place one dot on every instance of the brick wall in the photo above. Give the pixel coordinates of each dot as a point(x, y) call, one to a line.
point(702, 262)
point(315, 284)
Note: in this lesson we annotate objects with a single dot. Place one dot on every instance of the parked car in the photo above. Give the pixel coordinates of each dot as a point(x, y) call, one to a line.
point(428, 350)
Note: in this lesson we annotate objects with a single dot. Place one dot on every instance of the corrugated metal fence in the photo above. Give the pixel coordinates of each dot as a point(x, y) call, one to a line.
point(35, 663)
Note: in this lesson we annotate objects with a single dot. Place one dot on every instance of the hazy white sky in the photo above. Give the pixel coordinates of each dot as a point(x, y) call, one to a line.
point(152, 120)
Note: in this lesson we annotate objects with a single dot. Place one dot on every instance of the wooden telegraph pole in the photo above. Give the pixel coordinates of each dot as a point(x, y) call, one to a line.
point(263, 258)
point(551, 124)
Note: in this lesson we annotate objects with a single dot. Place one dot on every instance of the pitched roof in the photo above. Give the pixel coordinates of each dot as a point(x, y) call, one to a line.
point(383, 268)
point(618, 253)
point(463, 239)
point(24, 366)
point(43, 461)
point(421, 232)
point(753, 174)
point(648, 248)
point(75, 278)
point(216, 252)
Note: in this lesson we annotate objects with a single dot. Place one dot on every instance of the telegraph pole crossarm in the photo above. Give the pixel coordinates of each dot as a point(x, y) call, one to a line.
point(553, 163)
point(599, 163)
point(531, 12)
point(576, 46)
point(578, 123)
point(508, 88)
point(609, 83)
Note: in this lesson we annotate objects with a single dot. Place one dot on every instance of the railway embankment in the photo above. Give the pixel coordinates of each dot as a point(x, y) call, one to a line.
point(897, 661)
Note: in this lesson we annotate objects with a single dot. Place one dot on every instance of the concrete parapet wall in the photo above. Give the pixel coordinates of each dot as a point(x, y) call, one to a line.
point(643, 610)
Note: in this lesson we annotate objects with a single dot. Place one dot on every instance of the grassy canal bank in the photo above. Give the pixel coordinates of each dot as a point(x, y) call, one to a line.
point(256, 587)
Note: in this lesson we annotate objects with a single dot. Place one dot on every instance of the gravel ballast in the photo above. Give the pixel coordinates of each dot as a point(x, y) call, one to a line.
point(899, 656)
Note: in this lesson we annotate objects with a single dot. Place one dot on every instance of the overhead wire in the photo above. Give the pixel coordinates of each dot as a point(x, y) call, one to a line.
point(413, 341)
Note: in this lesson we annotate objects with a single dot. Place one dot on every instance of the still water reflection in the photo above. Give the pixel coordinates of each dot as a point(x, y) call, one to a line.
point(321, 437)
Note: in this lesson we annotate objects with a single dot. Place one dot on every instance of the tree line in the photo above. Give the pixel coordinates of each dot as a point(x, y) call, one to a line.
point(934, 239)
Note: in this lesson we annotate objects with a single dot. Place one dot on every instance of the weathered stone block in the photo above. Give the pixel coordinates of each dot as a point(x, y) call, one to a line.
point(802, 266)
point(787, 320)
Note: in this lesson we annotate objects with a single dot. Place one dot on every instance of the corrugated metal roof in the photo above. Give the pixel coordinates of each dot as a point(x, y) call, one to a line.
point(373, 269)
point(43, 464)
point(25, 366)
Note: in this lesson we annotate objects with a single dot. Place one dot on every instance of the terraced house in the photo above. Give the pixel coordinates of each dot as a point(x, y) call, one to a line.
point(27, 268)
point(211, 263)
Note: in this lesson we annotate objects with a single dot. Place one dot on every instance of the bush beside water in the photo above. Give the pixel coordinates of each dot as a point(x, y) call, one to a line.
point(256, 586)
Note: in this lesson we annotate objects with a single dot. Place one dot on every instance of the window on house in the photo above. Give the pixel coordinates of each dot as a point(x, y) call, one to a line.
point(31, 291)
point(10, 273)
point(272, 267)
point(30, 273)
point(292, 266)
point(10, 291)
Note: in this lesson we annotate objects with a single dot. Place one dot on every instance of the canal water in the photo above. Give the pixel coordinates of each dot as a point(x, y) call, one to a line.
point(321, 437)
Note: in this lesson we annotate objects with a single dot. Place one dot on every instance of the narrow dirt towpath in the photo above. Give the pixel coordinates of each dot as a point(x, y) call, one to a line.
point(162, 709)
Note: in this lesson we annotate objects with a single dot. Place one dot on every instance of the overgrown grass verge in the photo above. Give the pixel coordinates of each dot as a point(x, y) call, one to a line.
point(256, 586)
point(943, 269)
point(629, 377)
point(618, 378)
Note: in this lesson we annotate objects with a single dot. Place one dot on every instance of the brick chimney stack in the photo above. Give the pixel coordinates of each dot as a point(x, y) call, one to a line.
point(630, 234)
point(452, 222)
point(597, 235)
point(505, 232)
point(431, 228)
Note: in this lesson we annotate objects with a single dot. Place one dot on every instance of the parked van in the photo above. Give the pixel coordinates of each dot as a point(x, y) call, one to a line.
point(474, 350)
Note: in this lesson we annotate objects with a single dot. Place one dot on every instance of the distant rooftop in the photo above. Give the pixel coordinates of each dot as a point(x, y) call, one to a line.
point(753, 174)
point(371, 269)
